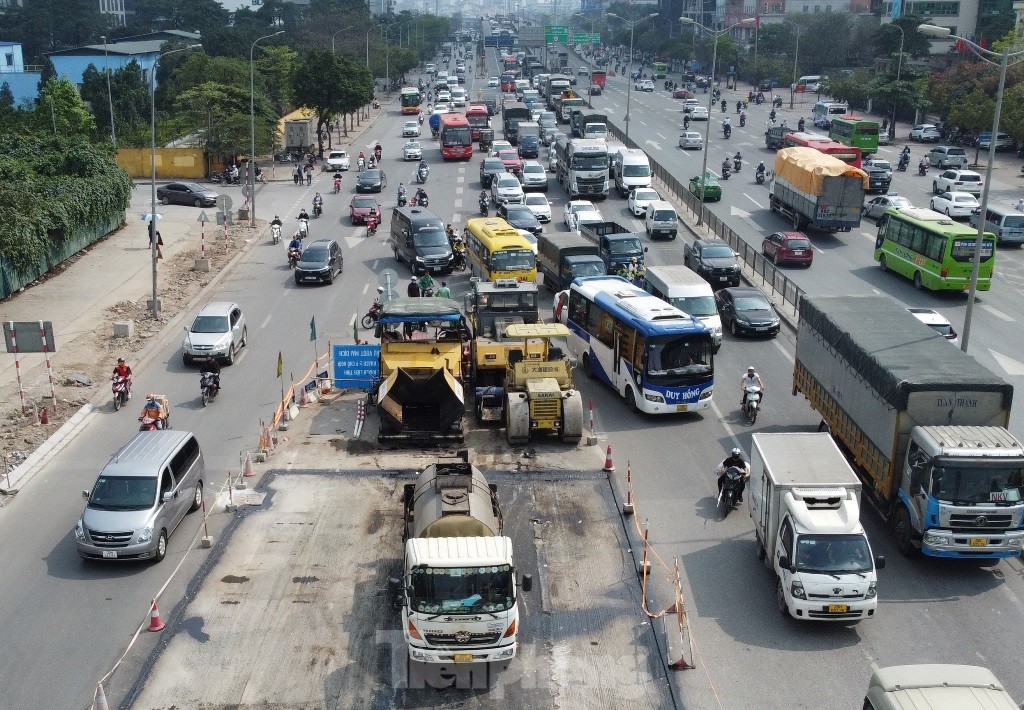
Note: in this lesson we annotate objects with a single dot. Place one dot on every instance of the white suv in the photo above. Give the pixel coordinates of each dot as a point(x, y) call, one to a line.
point(336, 160)
point(219, 330)
point(958, 181)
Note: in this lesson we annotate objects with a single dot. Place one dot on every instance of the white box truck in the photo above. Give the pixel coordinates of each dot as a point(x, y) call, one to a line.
point(805, 503)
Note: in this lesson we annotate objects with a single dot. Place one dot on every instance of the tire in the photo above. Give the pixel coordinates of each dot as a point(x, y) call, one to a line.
point(903, 531)
point(117, 401)
point(751, 414)
point(796, 221)
point(197, 202)
point(230, 359)
point(780, 599)
point(587, 369)
point(206, 397)
point(161, 547)
point(245, 337)
point(197, 498)
point(882, 263)
point(918, 284)
point(631, 400)
point(366, 322)
point(165, 200)
point(935, 187)
point(733, 329)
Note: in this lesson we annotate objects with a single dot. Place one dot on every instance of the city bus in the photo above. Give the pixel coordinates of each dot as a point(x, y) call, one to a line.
point(932, 250)
point(824, 111)
point(658, 358)
point(479, 118)
point(411, 99)
point(660, 70)
point(496, 250)
point(456, 137)
point(850, 155)
point(855, 131)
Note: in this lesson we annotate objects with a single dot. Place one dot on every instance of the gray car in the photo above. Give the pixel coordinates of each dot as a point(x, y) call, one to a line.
point(219, 330)
point(186, 193)
point(141, 496)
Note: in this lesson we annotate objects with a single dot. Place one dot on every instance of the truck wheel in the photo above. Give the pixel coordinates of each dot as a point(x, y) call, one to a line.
point(631, 400)
point(796, 220)
point(904, 532)
point(780, 599)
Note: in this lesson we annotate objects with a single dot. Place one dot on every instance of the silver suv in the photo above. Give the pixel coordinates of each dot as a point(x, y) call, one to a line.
point(218, 330)
point(948, 156)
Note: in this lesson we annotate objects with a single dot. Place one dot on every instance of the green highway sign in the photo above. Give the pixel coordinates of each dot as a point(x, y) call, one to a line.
point(586, 38)
point(556, 33)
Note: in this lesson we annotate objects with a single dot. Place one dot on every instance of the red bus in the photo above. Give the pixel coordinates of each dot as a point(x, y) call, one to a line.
point(851, 155)
point(478, 118)
point(456, 137)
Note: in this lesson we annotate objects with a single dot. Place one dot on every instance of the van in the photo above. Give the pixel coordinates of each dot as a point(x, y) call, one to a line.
point(630, 168)
point(936, 686)
point(418, 238)
point(1007, 223)
point(689, 292)
point(660, 219)
point(809, 84)
point(141, 496)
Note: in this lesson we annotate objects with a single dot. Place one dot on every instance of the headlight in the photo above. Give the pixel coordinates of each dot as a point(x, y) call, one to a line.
point(223, 343)
point(419, 258)
point(654, 397)
point(872, 592)
point(797, 590)
point(146, 534)
point(706, 394)
point(933, 539)
point(80, 531)
point(718, 330)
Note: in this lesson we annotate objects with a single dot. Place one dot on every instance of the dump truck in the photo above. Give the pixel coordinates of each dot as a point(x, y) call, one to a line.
point(564, 256)
point(805, 503)
point(599, 77)
point(565, 102)
point(921, 422)
point(582, 167)
point(539, 392)
point(617, 244)
point(458, 591)
point(420, 397)
point(817, 191)
point(554, 85)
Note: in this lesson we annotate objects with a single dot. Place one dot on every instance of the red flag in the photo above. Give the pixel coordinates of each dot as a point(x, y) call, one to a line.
point(984, 42)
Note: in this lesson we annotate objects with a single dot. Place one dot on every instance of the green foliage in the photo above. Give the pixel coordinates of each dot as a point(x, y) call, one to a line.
point(130, 96)
point(187, 15)
point(54, 186)
point(330, 86)
point(974, 112)
point(61, 110)
point(220, 114)
point(1011, 118)
point(948, 89)
point(275, 65)
point(886, 39)
point(852, 89)
point(47, 25)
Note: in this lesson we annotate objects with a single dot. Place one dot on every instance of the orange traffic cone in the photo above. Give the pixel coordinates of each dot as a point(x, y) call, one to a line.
point(608, 465)
point(155, 623)
point(247, 470)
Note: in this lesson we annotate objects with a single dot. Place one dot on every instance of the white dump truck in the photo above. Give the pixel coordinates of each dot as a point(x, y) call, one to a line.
point(805, 503)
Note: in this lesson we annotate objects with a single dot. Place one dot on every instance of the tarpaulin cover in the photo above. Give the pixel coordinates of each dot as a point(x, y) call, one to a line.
point(807, 169)
point(894, 351)
point(420, 310)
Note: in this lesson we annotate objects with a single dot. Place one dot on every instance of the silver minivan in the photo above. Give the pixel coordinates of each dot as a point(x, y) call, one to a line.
point(1007, 223)
point(141, 496)
point(687, 290)
point(661, 220)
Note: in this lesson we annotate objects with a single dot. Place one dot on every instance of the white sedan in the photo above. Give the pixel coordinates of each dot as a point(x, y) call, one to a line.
point(955, 204)
point(411, 129)
point(926, 133)
point(574, 206)
point(643, 85)
point(539, 205)
point(586, 217)
point(492, 81)
point(506, 188)
point(699, 113)
point(412, 151)
point(640, 198)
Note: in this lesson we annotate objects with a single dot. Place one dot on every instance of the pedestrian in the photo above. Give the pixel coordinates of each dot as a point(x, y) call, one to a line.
point(444, 291)
point(413, 289)
point(309, 176)
point(885, 125)
point(159, 241)
point(297, 175)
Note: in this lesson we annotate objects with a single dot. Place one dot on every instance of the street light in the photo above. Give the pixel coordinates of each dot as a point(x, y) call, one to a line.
point(155, 306)
point(796, 54)
point(110, 96)
point(711, 83)
point(629, 85)
point(252, 129)
point(338, 33)
point(899, 66)
point(983, 54)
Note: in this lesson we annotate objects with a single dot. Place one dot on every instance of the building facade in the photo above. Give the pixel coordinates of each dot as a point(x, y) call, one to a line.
point(23, 81)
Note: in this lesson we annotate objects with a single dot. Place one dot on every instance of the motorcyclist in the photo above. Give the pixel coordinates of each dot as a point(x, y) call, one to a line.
point(318, 204)
point(771, 115)
point(303, 214)
point(233, 173)
point(373, 163)
point(760, 171)
point(743, 118)
point(337, 181)
point(361, 160)
point(922, 167)
point(377, 151)
point(122, 370)
point(450, 232)
point(735, 460)
point(296, 243)
point(421, 196)
point(212, 366)
point(726, 168)
point(426, 284)
point(739, 107)
point(401, 193)
point(723, 106)
point(750, 379)
point(800, 125)
point(277, 221)
point(686, 122)
point(737, 161)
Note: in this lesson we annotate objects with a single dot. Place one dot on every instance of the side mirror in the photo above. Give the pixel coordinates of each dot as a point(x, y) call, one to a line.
point(85, 494)
point(527, 584)
point(394, 585)
point(786, 563)
point(880, 562)
point(168, 497)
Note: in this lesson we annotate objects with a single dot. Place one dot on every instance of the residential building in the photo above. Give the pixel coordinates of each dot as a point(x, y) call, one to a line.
point(114, 9)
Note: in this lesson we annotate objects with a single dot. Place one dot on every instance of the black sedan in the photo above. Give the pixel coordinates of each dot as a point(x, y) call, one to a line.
point(746, 310)
point(489, 168)
point(371, 181)
point(520, 217)
point(186, 193)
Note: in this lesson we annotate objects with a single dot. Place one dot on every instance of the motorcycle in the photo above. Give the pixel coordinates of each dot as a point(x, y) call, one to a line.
point(421, 119)
point(922, 168)
point(751, 403)
point(371, 226)
point(121, 388)
point(293, 257)
point(483, 207)
point(370, 319)
point(361, 164)
point(337, 185)
point(725, 172)
point(402, 199)
point(901, 166)
point(727, 130)
point(275, 233)
point(460, 260)
point(318, 209)
point(208, 386)
point(743, 120)
point(737, 163)
point(421, 174)
point(759, 178)
point(304, 227)
point(730, 489)
point(376, 153)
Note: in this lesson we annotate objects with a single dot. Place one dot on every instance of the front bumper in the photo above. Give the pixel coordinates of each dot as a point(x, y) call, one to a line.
point(476, 655)
point(949, 543)
point(818, 610)
point(322, 276)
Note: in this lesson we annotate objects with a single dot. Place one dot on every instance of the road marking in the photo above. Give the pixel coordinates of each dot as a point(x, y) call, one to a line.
point(458, 190)
point(266, 321)
point(457, 203)
point(643, 123)
point(365, 287)
point(753, 200)
point(1011, 366)
point(997, 313)
point(653, 143)
point(866, 235)
point(456, 217)
point(461, 179)
point(661, 136)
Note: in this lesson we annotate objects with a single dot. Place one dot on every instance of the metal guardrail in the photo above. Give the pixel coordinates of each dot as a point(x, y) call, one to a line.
point(771, 276)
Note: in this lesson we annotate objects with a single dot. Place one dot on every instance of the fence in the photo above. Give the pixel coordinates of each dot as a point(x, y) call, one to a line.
point(771, 277)
point(172, 163)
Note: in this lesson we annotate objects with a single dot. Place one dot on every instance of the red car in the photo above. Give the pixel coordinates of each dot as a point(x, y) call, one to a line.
point(682, 93)
point(513, 163)
point(788, 248)
point(362, 207)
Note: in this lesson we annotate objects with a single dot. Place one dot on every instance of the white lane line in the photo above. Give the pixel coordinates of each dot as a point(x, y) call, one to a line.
point(457, 204)
point(459, 190)
point(997, 313)
point(753, 200)
point(365, 287)
point(352, 320)
point(266, 321)
point(461, 179)
point(661, 136)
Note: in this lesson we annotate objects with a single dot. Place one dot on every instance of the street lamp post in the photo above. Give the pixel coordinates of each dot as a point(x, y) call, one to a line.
point(629, 84)
point(1004, 63)
point(155, 305)
point(899, 67)
point(333, 36)
point(711, 83)
point(110, 95)
point(251, 178)
point(796, 55)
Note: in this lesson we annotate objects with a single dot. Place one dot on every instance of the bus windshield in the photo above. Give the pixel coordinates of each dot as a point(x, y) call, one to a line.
point(456, 137)
point(674, 360)
point(513, 260)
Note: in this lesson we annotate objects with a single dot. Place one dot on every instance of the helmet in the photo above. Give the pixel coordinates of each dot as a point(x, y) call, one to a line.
point(736, 452)
point(380, 289)
point(414, 279)
point(120, 360)
point(750, 369)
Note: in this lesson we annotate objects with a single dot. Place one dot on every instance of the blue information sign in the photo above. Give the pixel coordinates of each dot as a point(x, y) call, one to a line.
point(356, 366)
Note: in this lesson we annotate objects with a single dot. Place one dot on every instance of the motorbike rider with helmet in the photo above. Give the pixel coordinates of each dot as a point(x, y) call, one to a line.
point(421, 196)
point(760, 171)
point(401, 193)
point(125, 373)
point(750, 379)
point(735, 460)
point(212, 366)
point(318, 204)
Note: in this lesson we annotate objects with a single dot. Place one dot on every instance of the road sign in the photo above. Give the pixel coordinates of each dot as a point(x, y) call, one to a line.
point(556, 33)
point(586, 38)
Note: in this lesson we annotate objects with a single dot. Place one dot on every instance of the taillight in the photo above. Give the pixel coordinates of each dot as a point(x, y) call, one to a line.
point(414, 632)
point(511, 629)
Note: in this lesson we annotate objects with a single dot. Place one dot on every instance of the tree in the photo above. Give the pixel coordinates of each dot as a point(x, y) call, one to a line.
point(220, 114)
point(276, 66)
point(947, 89)
point(886, 39)
point(130, 98)
point(974, 113)
point(61, 110)
point(1011, 118)
point(9, 118)
point(317, 85)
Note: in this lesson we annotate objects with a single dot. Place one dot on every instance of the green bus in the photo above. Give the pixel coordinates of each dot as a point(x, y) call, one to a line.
point(660, 70)
point(932, 250)
point(855, 131)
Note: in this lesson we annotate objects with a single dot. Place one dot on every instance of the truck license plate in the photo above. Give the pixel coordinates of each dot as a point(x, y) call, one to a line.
point(110, 554)
point(681, 407)
point(463, 657)
point(979, 541)
point(838, 608)
point(545, 425)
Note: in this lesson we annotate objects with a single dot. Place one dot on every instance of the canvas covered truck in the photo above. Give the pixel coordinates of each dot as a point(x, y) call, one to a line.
point(805, 503)
point(299, 134)
point(922, 423)
point(565, 256)
point(617, 244)
point(817, 191)
point(423, 368)
point(458, 590)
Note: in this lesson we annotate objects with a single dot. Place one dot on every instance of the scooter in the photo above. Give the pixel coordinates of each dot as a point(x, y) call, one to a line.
point(318, 209)
point(751, 403)
point(293, 257)
point(337, 185)
point(759, 178)
point(483, 207)
point(737, 163)
point(421, 174)
point(743, 120)
point(730, 489)
point(371, 226)
point(402, 199)
point(922, 168)
point(727, 131)
point(208, 386)
point(725, 172)
point(304, 227)
point(275, 233)
point(121, 388)
point(361, 164)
